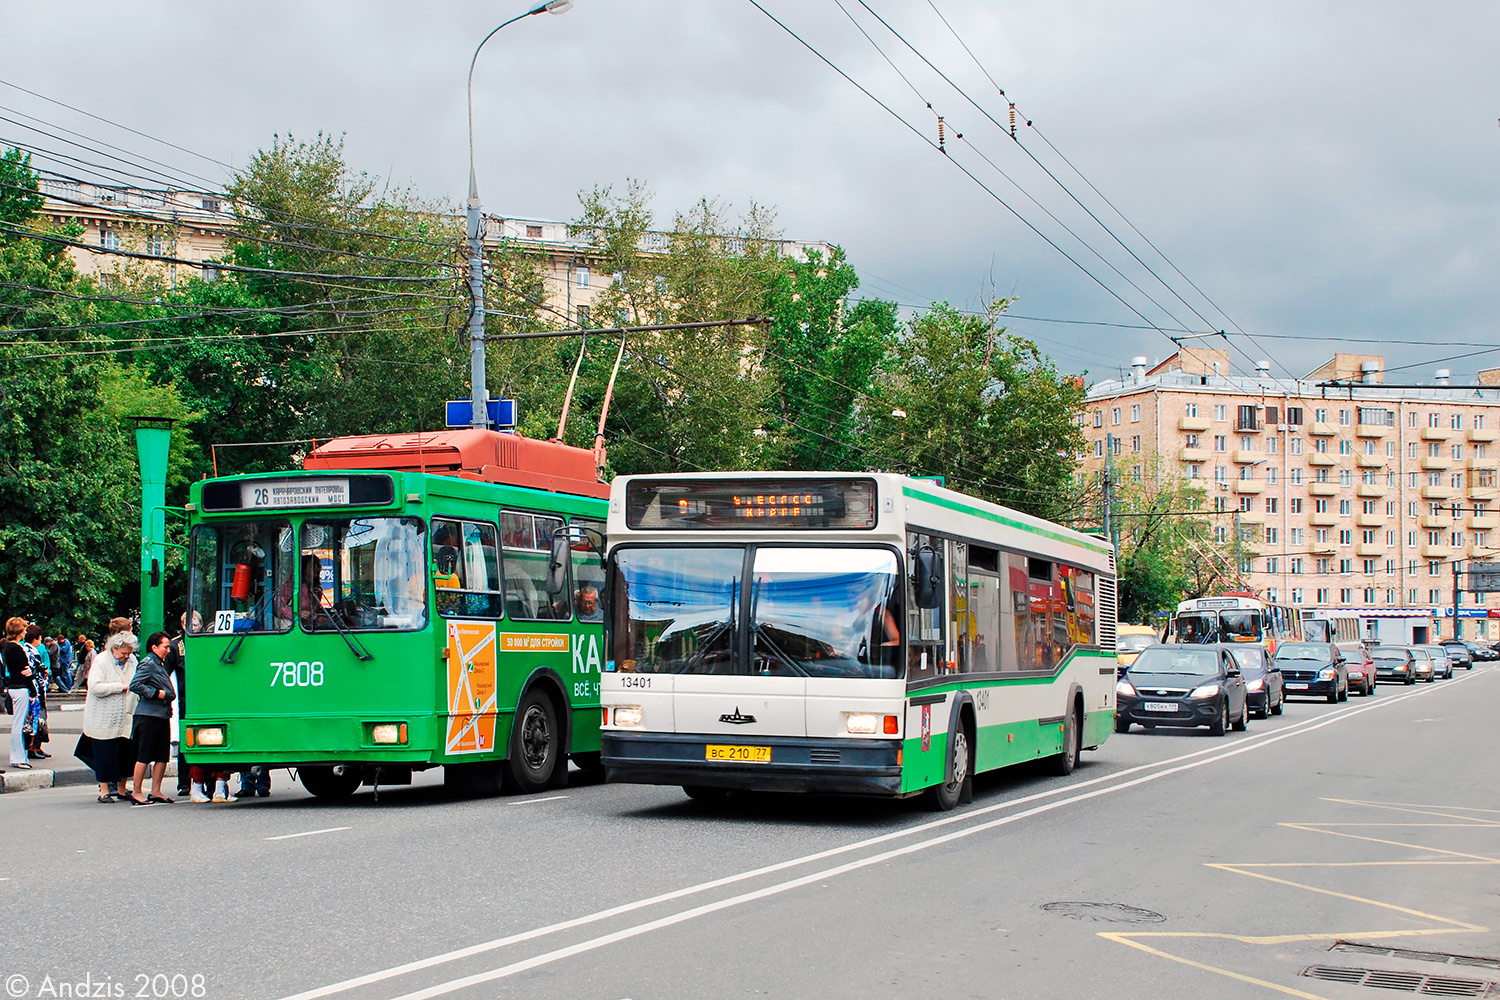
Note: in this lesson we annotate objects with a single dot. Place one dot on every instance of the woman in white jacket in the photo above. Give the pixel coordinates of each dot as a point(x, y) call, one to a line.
point(107, 715)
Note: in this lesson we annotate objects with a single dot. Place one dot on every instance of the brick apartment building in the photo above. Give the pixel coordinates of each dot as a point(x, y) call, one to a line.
point(1360, 495)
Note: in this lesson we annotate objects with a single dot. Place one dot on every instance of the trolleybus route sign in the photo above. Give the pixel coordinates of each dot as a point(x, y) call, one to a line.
point(318, 492)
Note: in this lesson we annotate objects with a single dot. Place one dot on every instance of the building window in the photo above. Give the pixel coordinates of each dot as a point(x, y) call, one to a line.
point(1135, 413)
point(1296, 595)
point(1272, 594)
point(1411, 595)
point(1273, 474)
point(1458, 451)
point(1190, 409)
point(1346, 537)
point(1270, 536)
point(1390, 508)
point(1247, 473)
point(533, 232)
point(1098, 418)
point(1273, 565)
point(1369, 567)
point(1195, 471)
point(1249, 419)
point(1271, 504)
point(1294, 505)
point(109, 239)
point(1135, 473)
point(1433, 567)
point(1220, 412)
point(1320, 416)
point(210, 204)
point(1434, 420)
point(1346, 596)
point(1479, 421)
point(1411, 449)
point(1320, 475)
point(1296, 566)
point(583, 317)
point(1435, 596)
point(1434, 450)
point(1368, 536)
point(1458, 421)
point(1344, 508)
point(1297, 536)
point(1246, 503)
point(154, 244)
point(1296, 477)
point(1220, 473)
point(1368, 507)
point(1098, 449)
point(1294, 416)
point(1390, 540)
point(1272, 445)
point(1221, 443)
point(1191, 441)
point(583, 276)
point(1434, 538)
point(1322, 567)
point(1322, 593)
point(1135, 443)
point(1320, 506)
point(1343, 418)
point(1321, 446)
point(1246, 443)
point(1390, 449)
point(1322, 539)
point(1221, 534)
point(1369, 447)
point(1221, 504)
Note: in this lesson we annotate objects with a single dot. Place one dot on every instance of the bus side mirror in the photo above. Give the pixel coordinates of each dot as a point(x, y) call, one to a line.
point(557, 564)
point(926, 578)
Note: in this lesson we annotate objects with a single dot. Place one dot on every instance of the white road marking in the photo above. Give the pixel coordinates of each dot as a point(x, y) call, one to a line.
point(1243, 745)
point(532, 802)
point(309, 833)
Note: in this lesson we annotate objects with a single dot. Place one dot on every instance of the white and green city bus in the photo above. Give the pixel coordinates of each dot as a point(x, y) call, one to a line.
point(847, 633)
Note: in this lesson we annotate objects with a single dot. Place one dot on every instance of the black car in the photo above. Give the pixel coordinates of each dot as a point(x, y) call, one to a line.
point(1313, 668)
point(1263, 683)
point(1394, 663)
point(1182, 685)
point(1483, 652)
point(1459, 654)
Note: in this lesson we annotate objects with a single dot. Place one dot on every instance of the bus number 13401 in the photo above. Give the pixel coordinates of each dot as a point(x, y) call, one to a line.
point(297, 673)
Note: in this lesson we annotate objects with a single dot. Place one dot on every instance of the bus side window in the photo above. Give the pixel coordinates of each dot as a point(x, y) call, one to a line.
point(985, 596)
point(1043, 595)
point(962, 614)
point(924, 626)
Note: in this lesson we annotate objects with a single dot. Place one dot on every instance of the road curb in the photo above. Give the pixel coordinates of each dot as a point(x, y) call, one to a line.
point(26, 781)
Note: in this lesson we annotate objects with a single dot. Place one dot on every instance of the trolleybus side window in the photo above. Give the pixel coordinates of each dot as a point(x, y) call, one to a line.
point(379, 573)
point(925, 638)
point(527, 541)
point(240, 577)
point(984, 609)
point(466, 568)
point(586, 538)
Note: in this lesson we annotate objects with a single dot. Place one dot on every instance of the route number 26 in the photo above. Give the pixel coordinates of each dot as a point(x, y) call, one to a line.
point(297, 673)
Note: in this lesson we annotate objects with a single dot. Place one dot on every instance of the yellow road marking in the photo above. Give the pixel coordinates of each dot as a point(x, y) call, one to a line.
point(1392, 843)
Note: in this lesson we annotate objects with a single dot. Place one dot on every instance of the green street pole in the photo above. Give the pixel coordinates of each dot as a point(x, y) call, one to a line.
point(153, 440)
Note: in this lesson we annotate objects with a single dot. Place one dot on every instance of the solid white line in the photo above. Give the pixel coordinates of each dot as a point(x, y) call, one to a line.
point(532, 802)
point(309, 833)
point(1240, 746)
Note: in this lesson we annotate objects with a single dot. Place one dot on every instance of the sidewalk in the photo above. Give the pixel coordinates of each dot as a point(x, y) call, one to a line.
point(65, 724)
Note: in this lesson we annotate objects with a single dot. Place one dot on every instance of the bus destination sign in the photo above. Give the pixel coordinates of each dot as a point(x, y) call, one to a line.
point(318, 492)
point(752, 504)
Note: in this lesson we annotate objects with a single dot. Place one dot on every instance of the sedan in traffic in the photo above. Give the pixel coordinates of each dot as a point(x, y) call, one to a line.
point(1182, 685)
point(1263, 683)
point(1394, 663)
point(1359, 666)
point(1426, 669)
point(1460, 654)
point(1311, 669)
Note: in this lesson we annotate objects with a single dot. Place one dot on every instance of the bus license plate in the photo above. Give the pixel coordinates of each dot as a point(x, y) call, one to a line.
point(1161, 706)
point(753, 755)
point(1296, 687)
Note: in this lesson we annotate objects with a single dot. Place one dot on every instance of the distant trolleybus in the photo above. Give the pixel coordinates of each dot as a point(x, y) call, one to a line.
point(405, 602)
point(847, 633)
point(1235, 618)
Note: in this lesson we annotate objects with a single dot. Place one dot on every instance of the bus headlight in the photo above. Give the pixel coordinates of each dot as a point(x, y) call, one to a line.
point(861, 723)
point(627, 716)
point(208, 736)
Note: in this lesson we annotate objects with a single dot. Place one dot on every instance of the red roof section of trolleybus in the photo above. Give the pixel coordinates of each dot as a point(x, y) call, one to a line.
point(470, 453)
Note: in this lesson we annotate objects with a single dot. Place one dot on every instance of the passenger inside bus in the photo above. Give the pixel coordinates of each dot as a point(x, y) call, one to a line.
point(311, 610)
point(587, 604)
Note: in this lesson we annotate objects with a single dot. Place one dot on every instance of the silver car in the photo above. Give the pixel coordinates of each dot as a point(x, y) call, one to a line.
point(1426, 670)
point(1442, 664)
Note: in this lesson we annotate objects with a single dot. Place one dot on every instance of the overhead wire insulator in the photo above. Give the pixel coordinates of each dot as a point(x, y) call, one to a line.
point(1012, 120)
point(940, 135)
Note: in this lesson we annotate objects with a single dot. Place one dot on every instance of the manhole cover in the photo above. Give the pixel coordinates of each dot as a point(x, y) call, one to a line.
point(1105, 913)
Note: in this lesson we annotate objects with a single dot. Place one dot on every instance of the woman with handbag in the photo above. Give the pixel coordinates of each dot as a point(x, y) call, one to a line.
point(18, 686)
point(107, 715)
point(41, 678)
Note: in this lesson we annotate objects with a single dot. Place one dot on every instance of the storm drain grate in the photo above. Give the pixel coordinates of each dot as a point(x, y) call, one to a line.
point(1443, 957)
point(1406, 982)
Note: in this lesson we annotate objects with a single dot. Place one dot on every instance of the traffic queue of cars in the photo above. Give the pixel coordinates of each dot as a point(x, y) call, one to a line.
point(1221, 685)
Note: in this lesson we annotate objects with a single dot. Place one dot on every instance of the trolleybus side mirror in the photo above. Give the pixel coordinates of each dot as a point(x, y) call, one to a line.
point(557, 564)
point(926, 578)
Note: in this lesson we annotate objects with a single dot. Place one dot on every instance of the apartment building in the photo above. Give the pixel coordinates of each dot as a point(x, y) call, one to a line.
point(1360, 495)
point(192, 226)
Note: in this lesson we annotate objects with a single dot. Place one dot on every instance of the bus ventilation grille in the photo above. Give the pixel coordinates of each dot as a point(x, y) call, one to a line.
point(1108, 610)
point(1406, 982)
point(823, 756)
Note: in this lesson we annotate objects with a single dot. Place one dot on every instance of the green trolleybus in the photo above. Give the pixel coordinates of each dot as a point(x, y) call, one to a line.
point(828, 632)
point(404, 602)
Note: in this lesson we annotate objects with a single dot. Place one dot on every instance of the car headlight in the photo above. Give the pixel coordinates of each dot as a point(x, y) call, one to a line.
point(1125, 688)
point(1401, 667)
point(1206, 691)
point(1256, 684)
point(1327, 674)
point(626, 716)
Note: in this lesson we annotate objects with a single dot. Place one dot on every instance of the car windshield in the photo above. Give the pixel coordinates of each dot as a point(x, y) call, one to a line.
point(1251, 660)
point(1134, 643)
point(1386, 654)
point(1301, 651)
point(1418, 653)
point(1176, 660)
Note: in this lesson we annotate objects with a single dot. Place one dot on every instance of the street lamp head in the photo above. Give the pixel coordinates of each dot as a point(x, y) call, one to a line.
point(553, 7)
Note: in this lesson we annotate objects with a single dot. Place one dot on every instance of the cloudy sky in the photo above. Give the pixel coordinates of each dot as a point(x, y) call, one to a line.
point(1318, 170)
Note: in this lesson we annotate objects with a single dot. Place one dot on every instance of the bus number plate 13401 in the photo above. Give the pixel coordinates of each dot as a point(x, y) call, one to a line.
point(753, 755)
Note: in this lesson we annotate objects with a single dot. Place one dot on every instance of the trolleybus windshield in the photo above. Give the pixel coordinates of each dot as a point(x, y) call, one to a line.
point(814, 612)
point(379, 573)
point(240, 577)
point(1219, 626)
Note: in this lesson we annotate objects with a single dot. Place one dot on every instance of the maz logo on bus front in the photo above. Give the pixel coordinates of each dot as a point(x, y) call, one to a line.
point(297, 673)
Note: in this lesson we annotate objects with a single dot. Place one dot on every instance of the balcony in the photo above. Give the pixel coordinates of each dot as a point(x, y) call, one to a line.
point(1254, 427)
point(1436, 521)
point(1436, 551)
point(1438, 492)
point(1192, 454)
point(1250, 517)
point(1250, 486)
point(1436, 462)
point(1322, 548)
point(1322, 458)
point(1478, 492)
point(1370, 490)
point(1371, 461)
point(1484, 463)
point(1484, 522)
point(1247, 456)
point(1435, 433)
point(1369, 550)
point(1194, 423)
point(1318, 489)
point(1324, 520)
point(1484, 434)
point(1320, 429)
point(1371, 430)
point(1370, 520)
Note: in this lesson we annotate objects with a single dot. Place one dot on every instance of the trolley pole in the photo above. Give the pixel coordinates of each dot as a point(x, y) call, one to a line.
point(1458, 623)
point(480, 418)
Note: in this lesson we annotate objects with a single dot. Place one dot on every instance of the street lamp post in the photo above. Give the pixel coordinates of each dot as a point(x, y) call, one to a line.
point(480, 395)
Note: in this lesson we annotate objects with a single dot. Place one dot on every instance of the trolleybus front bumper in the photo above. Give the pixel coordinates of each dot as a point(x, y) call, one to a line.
point(839, 766)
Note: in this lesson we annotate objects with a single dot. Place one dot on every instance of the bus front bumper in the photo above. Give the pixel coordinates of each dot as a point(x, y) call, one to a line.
point(835, 766)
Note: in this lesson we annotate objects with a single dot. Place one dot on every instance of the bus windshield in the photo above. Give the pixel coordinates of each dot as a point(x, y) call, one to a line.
point(813, 612)
point(378, 578)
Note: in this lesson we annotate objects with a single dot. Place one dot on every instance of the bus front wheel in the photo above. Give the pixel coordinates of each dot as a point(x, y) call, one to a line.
point(534, 744)
point(331, 782)
point(945, 796)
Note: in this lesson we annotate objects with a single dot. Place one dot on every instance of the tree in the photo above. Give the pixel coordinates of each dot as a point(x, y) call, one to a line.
point(961, 398)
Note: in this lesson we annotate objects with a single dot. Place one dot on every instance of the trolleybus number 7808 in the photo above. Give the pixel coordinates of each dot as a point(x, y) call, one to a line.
point(297, 673)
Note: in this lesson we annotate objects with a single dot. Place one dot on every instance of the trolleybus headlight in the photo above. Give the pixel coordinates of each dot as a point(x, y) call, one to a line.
point(1125, 688)
point(862, 723)
point(209, 736)
point(388, 732)
point(628, 716)
point(1206, 691)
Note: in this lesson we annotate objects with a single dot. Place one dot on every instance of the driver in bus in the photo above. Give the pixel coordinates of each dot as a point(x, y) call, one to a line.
point(310, 607)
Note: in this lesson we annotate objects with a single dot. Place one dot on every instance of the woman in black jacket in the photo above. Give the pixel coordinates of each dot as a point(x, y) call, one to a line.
point(18, 681)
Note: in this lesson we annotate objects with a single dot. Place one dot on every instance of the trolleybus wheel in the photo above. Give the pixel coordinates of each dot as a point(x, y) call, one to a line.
point(326, 781)
point(703, 793)
point(948, 794)
point(534, 750)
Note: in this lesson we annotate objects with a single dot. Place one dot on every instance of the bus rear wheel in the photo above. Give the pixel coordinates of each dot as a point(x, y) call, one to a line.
point(1072, 741)
point(534, 744)
point(327, 781)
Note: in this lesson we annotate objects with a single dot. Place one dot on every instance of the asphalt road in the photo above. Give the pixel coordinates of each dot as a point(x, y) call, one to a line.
point(1168, 865)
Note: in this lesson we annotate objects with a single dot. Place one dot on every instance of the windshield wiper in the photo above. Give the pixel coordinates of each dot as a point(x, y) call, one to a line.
point(357, 648)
